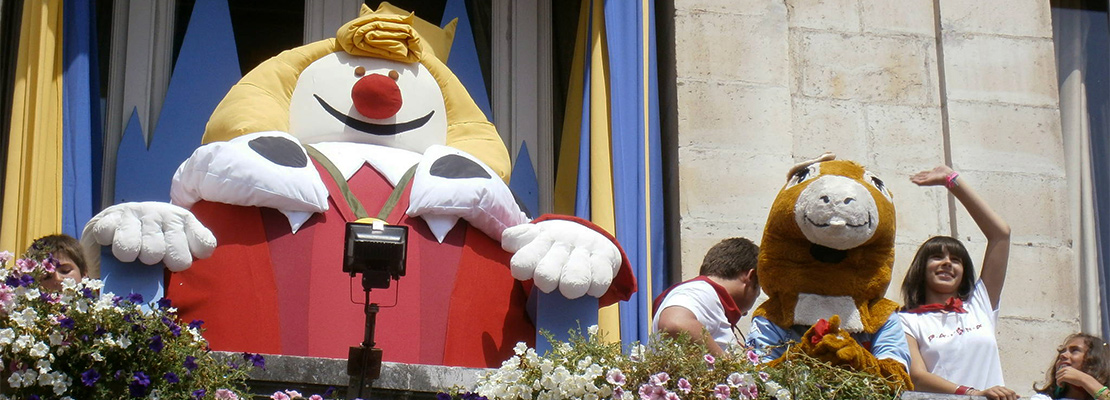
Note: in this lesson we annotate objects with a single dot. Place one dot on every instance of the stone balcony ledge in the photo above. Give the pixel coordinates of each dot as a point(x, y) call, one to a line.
point(310, 375)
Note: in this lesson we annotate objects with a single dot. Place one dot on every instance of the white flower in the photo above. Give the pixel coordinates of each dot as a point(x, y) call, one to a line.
point(782, 394)
point(772, 386)
point(43, 366)
point(22, 343)
point(39, 350)
point(31, 294)
point(7, 335)
point(96, 356)
point(46, 379)
point(25, 318)
point(520, 348)
point(15, 380)
point(124, 342)
point(29, 377)
point(592, 330)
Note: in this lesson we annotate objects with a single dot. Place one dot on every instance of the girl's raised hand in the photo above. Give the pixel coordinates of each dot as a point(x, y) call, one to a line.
point(934, 177)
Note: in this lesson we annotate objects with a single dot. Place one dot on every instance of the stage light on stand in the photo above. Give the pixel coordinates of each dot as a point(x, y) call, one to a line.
point(377, 251)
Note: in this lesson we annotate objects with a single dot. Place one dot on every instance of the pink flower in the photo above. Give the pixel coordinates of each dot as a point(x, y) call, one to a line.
point(224, 394)
point(672, 396)
point(734, 379)
point(315, 397)
point(25, 265)
point(279, 396)
point(763, 376)
point(752, 357)
point(618, 393)
point(660, 379)
point(722, 392)
point(753, 391)
point(615, 377)
point(5, 256)
point(294, 394)
point(646, 392)
point(709, 360)
point(684, 385)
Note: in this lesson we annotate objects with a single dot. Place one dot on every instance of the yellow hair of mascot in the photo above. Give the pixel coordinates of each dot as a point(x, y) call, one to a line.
point(825, 262)
point(261, 100)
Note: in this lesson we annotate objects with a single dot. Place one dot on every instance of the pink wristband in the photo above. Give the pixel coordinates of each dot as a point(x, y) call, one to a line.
point(950, 181)
point(962, 390)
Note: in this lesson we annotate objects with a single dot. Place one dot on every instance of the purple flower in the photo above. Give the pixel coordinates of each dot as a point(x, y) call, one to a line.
point(753, 391)
point(12, 281)
point(722, 392)
point(190, 364)
point(156, 343)
point(67, 322)
point(175, 330)
point(443, 396)
point(752, 357)
point(139, 383)
point(199, 393)
point(171, 377)
point(89, 378)
point(196, 324)
point(163, 303)
point(257, 359)
point(135, 298)
point(684, 385)
point(763, 376)
point(26, 280)
point(34, 397)
point(88, 293)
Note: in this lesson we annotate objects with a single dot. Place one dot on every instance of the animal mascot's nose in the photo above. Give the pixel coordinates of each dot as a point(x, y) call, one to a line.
point(376, 96)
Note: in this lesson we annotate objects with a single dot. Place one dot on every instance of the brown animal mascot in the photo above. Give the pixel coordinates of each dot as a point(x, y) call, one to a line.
point(825, 263)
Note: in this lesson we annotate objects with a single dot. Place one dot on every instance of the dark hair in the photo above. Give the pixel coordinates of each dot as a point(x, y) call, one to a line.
point(1096, 363)
point(53, 245)
point(913, 287)
point(730, 258)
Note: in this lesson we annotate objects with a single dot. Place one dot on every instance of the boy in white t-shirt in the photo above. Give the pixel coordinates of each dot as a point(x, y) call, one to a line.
point(713, 302)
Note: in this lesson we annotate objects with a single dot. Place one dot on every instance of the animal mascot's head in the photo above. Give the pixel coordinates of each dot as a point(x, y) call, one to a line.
point(379, 81)
point(828, 248)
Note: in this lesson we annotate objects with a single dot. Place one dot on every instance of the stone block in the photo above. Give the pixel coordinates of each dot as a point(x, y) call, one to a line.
point(1035, 207)
point(914, 17)
point(1013, 138)
point(922, 212)
point(734, 116)
point(699, 235)
point(741, 7)
point(830, 15)
point(1028, 347)
point(997, 17)
point(730, 185)
point(866, 68)
point(1041, 282)
point(731, 47)
point(1000, 69)
point(904, 139)
point(822, 125)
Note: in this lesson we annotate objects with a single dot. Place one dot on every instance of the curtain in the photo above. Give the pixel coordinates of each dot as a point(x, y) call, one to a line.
point(32, 204)
point(609, 169)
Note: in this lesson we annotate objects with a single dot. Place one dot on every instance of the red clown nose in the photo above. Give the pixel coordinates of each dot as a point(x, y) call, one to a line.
point(376, 96)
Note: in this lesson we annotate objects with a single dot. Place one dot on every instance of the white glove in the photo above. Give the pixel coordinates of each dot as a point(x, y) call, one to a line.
point(562, 254)
point(151, 232)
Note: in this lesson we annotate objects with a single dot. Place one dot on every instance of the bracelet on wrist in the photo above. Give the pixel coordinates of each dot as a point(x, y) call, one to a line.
point(1098, 395)
point(950, 180)
point(963, 390)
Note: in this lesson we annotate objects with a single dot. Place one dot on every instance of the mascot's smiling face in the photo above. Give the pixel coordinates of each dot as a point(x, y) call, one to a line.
point(347, 98)
point(828, 246)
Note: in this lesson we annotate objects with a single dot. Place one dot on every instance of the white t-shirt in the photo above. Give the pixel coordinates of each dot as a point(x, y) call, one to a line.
point(701, 299)
point(960, 347)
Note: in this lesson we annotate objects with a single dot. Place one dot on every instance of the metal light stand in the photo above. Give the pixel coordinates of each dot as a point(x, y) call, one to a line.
point(365, 361)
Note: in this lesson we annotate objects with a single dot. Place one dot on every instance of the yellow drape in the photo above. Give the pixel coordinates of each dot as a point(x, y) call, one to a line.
point(33, 181)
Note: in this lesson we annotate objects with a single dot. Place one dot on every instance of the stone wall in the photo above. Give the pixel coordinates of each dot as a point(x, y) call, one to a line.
point(763, 84)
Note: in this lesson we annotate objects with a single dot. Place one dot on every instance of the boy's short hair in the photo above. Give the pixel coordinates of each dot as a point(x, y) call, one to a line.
point(58, 244)
point(730, 259)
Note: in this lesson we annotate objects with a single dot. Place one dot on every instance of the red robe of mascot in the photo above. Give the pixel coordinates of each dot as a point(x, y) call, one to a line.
point(317, 137)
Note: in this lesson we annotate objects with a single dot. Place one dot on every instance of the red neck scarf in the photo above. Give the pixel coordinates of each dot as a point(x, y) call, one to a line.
point(732, 311)
point(953, 304)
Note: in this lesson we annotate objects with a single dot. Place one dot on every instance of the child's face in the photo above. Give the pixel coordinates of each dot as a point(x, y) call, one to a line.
point(65, 269)
point(1072, 354)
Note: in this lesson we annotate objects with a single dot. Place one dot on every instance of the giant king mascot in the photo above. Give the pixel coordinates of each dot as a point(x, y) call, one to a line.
point(321, 135)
